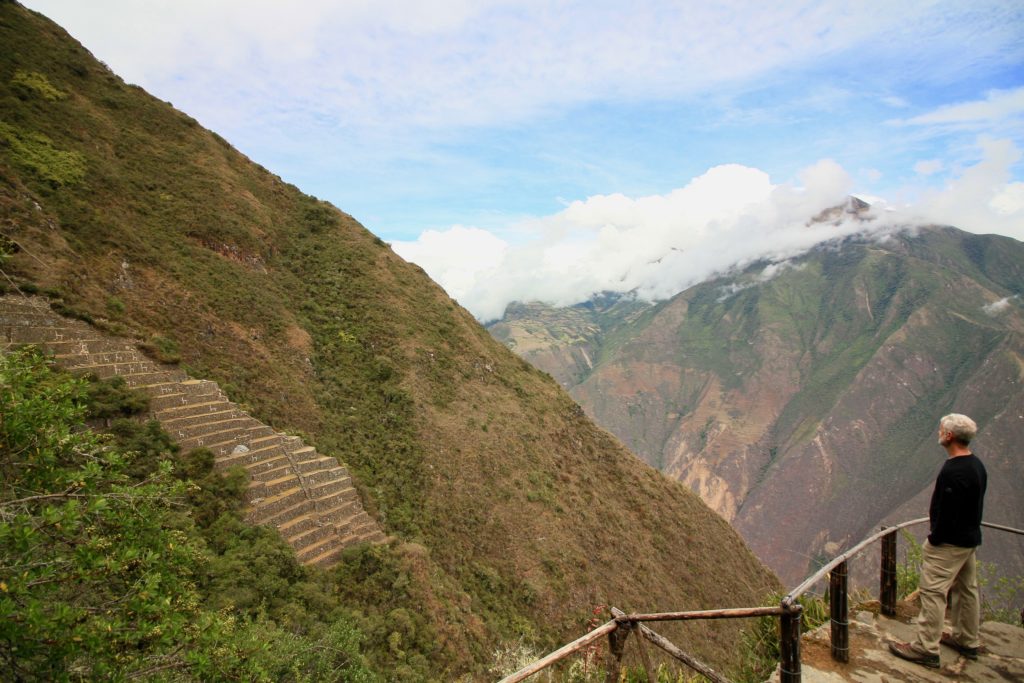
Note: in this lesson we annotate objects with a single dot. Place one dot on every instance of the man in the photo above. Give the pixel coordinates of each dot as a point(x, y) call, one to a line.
point(949, 553)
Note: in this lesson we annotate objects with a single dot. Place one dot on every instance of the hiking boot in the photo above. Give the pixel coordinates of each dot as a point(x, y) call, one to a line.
point(912, 654)
point(968, 652)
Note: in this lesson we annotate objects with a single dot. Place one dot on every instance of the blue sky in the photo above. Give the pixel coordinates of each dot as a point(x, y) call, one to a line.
point(506, 146)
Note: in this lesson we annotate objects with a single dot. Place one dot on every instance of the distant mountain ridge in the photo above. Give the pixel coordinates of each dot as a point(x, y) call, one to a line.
point(800, 399)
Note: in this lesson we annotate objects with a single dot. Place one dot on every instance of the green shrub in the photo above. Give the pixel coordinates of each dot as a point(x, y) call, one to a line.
point(36, 152)
point(908, 572)
point(92, 582)
point(30, 83)
point(1001, 596)
point(109, 398)
point(115, 306)
point(162, 349)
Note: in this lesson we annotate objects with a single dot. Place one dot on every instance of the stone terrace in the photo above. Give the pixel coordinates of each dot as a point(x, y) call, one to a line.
point(307, 496)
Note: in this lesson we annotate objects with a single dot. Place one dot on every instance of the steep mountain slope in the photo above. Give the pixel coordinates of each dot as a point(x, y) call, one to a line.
point(513, 514)
point(800, 400)
point(565, 342)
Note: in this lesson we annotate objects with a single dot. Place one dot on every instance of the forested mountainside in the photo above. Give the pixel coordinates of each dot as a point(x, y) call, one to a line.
point(800, 400)
point(512, 514)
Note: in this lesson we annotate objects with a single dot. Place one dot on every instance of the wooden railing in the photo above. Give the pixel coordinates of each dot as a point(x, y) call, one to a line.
point(789, 613)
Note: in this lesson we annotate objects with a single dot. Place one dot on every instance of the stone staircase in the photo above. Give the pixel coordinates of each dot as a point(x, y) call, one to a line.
point(307, 496)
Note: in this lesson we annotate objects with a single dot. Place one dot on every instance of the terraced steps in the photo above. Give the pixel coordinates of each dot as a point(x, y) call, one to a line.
point(307, 496)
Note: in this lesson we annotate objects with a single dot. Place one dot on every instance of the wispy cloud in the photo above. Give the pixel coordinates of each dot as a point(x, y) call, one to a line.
point(392, 62)
point(895, 102)
point(983, 198)
point(998, 106)
point(929, 166)
point(997, 307)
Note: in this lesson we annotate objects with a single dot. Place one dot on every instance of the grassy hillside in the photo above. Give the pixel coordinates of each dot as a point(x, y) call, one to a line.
point(513, 515)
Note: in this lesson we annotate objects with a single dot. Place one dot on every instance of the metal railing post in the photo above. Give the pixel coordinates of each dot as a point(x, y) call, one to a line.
point(789, 644)
point(839, 612)
point(887, 586)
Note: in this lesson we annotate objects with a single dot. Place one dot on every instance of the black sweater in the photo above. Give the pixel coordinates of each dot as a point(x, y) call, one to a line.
point(956, 507)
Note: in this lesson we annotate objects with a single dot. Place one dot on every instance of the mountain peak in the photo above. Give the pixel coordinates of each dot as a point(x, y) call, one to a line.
point(851, 208)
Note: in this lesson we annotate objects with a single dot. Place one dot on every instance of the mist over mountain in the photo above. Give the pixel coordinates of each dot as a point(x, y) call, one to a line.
point(729, 217)
point(800, 398)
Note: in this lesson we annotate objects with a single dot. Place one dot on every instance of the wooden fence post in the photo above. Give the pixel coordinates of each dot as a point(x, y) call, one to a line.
point(839, 609)
point(644, 657)
point(789, 644)
point(887, 587)
point(616, 646)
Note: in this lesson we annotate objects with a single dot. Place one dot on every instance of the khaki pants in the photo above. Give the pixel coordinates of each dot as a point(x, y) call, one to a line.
point(946, 567)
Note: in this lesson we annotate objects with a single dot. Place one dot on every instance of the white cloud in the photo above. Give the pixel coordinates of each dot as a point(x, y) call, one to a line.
point(929, 166)
point(732, 288)
point(983, 198)
point(895, 102)
point(457, 257)
point(656, 245)
point(998, 105)
point(1009, 200)
point(773, 270)
point(466, 62)
point(997, 307)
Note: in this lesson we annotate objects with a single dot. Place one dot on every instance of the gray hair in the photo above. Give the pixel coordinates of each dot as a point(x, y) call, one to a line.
point(960, 426)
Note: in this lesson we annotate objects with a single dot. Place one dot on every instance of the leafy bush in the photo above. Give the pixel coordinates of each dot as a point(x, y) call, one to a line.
point(1001, 596)
point(109, 398)
point(37, 153)
point(29, 83)
point(91, 581)
point(908, 572)
point(162, 349)
point(378, 578)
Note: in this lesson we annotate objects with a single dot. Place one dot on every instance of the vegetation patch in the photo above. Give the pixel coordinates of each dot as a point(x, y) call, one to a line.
point(33, 83)
point(37, 153)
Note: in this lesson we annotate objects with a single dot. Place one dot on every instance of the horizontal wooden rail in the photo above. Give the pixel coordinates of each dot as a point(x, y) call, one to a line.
point(795, 594)
point(733, 613)
point(669, 647)
point(561, 653)
point(789, 613)
point(1003, 528)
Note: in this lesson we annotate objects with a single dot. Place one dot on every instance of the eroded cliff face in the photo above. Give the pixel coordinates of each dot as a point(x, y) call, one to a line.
point(802, 408)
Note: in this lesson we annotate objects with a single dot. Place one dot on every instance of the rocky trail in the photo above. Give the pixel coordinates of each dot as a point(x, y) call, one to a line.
point(1001, 659)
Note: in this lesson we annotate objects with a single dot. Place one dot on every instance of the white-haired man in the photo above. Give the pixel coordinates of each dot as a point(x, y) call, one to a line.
point(949, 553)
